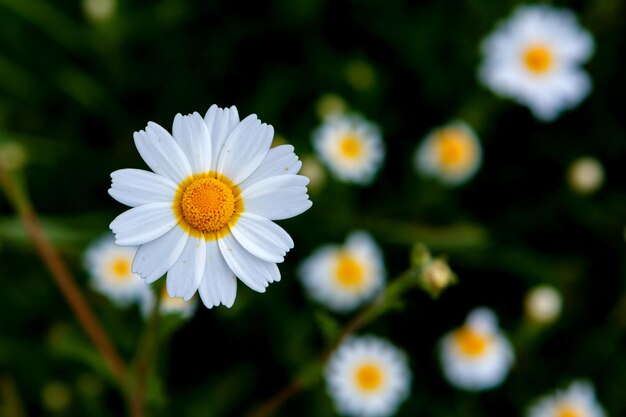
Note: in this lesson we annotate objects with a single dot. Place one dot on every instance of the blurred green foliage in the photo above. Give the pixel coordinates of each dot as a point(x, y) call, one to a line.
point(74, 89)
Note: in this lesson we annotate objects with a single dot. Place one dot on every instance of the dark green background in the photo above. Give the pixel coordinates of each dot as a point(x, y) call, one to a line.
point(72, 92)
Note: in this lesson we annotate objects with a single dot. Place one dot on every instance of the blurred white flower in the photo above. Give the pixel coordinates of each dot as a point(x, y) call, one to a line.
point(585, 175)
point(578, 400)
point(451, 153)
point(343, 277)
point(476, 356)
point(351, 147)
point(535, 58)
point(109, 267)
point(543, 304)
point(368, 377)
point(205, 215)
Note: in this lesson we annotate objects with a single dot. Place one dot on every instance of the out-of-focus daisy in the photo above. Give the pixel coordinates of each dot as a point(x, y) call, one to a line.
point(109, 267)
point(476, 356)
point(585, 175)
point(368, 377)
point(543, 304)
point(535, 58)
point(351, 147)
point(578, 400)
point(451, 154)
point(344, 276)
point(205, 214)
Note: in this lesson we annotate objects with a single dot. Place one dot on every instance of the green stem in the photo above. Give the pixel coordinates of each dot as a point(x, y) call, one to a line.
point(144, 359)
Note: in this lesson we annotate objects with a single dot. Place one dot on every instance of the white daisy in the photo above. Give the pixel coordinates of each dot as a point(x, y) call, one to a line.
point(110, 273)
point(367, 377)
point(451, 153)
point(343, 277)
point(535, 58)
point(578, 400)
point(205, 214)
point(476, 356)
point(351, 147)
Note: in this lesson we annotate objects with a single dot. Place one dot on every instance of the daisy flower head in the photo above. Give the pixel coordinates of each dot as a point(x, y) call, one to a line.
point(109, 267)
point(344, 276)
point(535, 58)
point(351, 147)
point(578, 400)
point(451, 153)
point(367, 377)
point(476, 356)
point(205, 215)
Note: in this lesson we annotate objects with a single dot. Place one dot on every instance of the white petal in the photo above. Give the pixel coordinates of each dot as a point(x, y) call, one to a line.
point(192, 135)
point(276, 198)
point(142, 224)
point(262, 237)
point(135, 187)
point(185, 276)
point(245, 148)
point(219, 284)
point(252, 271)
point(155, 258)
point(280, 160)
point(161, 152)
point(220, 123)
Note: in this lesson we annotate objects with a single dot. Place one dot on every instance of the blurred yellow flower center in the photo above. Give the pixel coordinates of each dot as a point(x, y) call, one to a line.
point(538, 58)
point(349, 271)
point(455, 149)
point(120, 268)
point(368, 377)
point(350, 146)
point(568, 411)
point(207, 205)
point(471, 342)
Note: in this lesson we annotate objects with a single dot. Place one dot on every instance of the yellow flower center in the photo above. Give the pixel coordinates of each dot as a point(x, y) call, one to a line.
point(207, 204)
point(350, 146)
point(120, 269)
point(470, 342)
point(349, 272)
point(538, 59)
point(568, 411)
point(369, 377)
point(455, 148)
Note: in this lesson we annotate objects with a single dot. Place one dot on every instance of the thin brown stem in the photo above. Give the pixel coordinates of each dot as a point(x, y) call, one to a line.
point(274, 403)
point(63, 277)
point(270, 406)
point(13, 406)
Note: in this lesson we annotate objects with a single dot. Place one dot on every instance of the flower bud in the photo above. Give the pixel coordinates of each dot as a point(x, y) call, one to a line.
point(543, 304)
point(585, 175)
